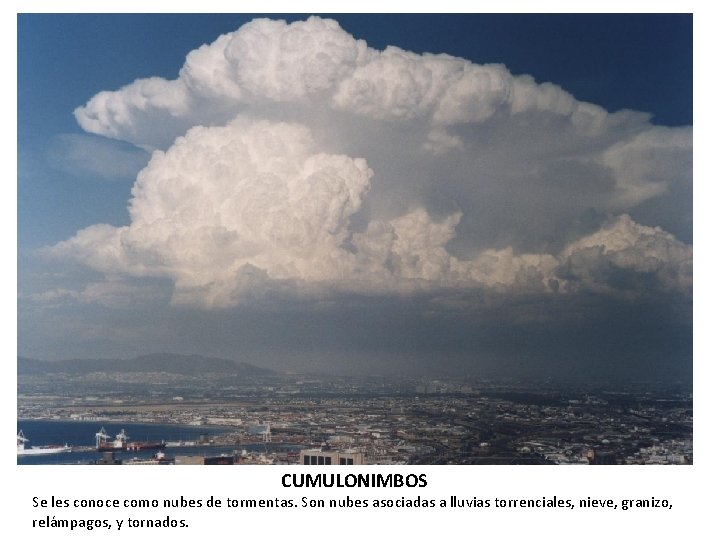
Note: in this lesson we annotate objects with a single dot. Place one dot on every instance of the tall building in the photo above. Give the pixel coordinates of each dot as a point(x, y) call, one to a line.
point(329, 457)
point(600, 457)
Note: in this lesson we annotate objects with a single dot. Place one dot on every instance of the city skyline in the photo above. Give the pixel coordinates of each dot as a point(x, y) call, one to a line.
point(339, 201)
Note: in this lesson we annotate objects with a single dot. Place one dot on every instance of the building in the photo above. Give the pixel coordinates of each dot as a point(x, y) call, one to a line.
point(204, 460)
point(330, 457)
point(599, 457)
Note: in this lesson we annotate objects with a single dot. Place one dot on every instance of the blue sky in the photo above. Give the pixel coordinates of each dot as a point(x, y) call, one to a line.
point(70, 179)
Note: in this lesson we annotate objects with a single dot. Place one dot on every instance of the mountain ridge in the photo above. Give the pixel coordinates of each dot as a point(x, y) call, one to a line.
point(184, 364)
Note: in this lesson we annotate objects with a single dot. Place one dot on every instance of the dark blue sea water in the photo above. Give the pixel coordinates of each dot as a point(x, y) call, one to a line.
point(41, 432)
point(46, 432)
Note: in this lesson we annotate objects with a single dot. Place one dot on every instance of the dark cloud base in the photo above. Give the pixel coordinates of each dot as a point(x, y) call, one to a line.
point(566, 337)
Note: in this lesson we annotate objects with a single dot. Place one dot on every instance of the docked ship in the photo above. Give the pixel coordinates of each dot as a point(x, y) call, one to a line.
point(38, 450)
point(121, 443)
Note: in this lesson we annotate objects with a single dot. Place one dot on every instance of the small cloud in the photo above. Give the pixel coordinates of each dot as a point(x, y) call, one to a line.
point(113, 293)
point(97, 157)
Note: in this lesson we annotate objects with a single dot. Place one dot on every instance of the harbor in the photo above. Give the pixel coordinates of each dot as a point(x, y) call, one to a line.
point(151, 444)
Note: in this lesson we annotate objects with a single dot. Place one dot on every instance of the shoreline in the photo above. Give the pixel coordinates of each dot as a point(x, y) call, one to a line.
point(144, 422)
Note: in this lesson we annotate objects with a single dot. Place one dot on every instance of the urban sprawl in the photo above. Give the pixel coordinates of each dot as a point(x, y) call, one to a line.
point(385, 420)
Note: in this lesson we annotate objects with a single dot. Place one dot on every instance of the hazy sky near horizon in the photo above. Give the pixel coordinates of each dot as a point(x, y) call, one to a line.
point(480, 193)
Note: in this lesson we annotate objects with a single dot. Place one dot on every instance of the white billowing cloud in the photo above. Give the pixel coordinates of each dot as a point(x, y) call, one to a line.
point(264, 61)
point(647, 163)
point(623, 251)
point(410, 251)
point(406, 253)
point(227, 206)
point(270, 60)
point(397, 84)
point(229, 210)
point(279, 128)
point(131, 114)
point(316, 61)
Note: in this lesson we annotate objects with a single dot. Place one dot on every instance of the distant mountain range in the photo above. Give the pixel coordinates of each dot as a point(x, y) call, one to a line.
point(183, 364)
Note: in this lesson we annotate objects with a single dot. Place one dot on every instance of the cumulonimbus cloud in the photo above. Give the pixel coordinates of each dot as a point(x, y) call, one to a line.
point(294, 155)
